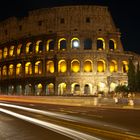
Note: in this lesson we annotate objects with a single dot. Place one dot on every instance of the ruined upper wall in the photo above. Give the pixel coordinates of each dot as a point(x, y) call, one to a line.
point(66, 19)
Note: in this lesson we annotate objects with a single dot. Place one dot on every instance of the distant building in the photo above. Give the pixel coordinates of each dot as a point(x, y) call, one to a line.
point(62, 51)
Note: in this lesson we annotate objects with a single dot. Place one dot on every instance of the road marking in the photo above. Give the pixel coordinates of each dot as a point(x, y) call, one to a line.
point(56, 128)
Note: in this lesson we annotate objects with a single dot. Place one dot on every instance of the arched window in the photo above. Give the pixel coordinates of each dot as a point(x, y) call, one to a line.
point(4, 71)
point(62, 66)
point(29, 48)
point(50, 89)
point(75, 43)
point(50, 66)
point(0, 54)
point(11, 70)
point(50, 45)
point(62, 88)
point(18, 69)
point(38, 89)
point(113, 66)
point(100, 66)
point(112, 44)
point(11, 51)
point(87, 44)
point(62, 44)
point(100, 44)
point(5, 53)
point(88, 66)
point(38, 67)
point(28, 68)
point(20, 49)
point(39, 46)
point(124, 66)
point(75, 66)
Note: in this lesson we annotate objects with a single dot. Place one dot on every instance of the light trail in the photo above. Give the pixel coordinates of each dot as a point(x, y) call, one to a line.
point(67, 117)
point(76, 135)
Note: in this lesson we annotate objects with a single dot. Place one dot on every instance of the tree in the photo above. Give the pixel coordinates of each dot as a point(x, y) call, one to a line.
point(138, 78)
point(131, 76)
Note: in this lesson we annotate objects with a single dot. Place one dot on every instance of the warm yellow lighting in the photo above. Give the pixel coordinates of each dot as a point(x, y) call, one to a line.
point(39, 86)
point(38, 67)
point(103, 41)
point(28, 45)
point(113, 86)
point(50, 66)
point(61, 88)
point(48, 45)
point(101, 86)
point(37, 46)
point(113, 66)
point(11, 69)
point(50, 88)
point(5, 52)
point(19, 49)
point(11, 51)
point(0, 54)
point(75, 43)
point(18, 69)
point(62, 66)
point(4, 71)
point(88, 66)
point(75, 66)
point(28, 68)
point(124, 66)
point(100, 66)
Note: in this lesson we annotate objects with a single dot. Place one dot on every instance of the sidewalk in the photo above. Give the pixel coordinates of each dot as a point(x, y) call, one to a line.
point(75, 101)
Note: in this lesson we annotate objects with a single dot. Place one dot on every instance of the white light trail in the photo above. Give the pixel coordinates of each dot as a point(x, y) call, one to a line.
point(66, 117)
point(56, 128)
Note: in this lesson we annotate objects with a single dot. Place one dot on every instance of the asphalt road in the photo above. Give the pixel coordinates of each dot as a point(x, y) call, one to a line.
point(84, 119)
point(12, 128)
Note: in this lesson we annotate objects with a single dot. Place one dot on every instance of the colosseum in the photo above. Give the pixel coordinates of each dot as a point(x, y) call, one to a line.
point(67, 50)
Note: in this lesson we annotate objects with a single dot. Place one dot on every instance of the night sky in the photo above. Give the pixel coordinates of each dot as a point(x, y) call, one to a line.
point(126, 14)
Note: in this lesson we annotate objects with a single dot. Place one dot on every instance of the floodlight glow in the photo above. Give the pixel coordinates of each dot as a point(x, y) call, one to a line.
point(75, 43)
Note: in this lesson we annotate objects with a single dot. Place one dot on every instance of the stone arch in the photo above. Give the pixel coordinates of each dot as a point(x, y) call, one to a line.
point(62, 88)
point(75, 88)
point(19, 49)
point(88, 44)
point(113, 66)
point(50, 45)
point(88, 89)
point(4, 70)
point(75, 66)
point(11, 70)
point(62, 44)
point(75, 43)
point(39, 46)
point(100, 44)
point(5, 52)
point(112, 45)
point(50, 89)
point(101, 66)
point(88, 66)
point(29, 48)
point(28, 89)
point(19, 89)
point(38, 89)
point(124, 66)
point(50, 66)
point(18, 69)
point(0, 54)
point(11, 50)
point(28, 68)
point(38, 67)
point(62, 66)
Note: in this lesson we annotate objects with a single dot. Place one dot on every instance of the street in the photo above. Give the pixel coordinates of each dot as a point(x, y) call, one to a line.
point(98, 122)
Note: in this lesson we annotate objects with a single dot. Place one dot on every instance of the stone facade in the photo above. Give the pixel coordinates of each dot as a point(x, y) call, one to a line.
point(66, 50)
